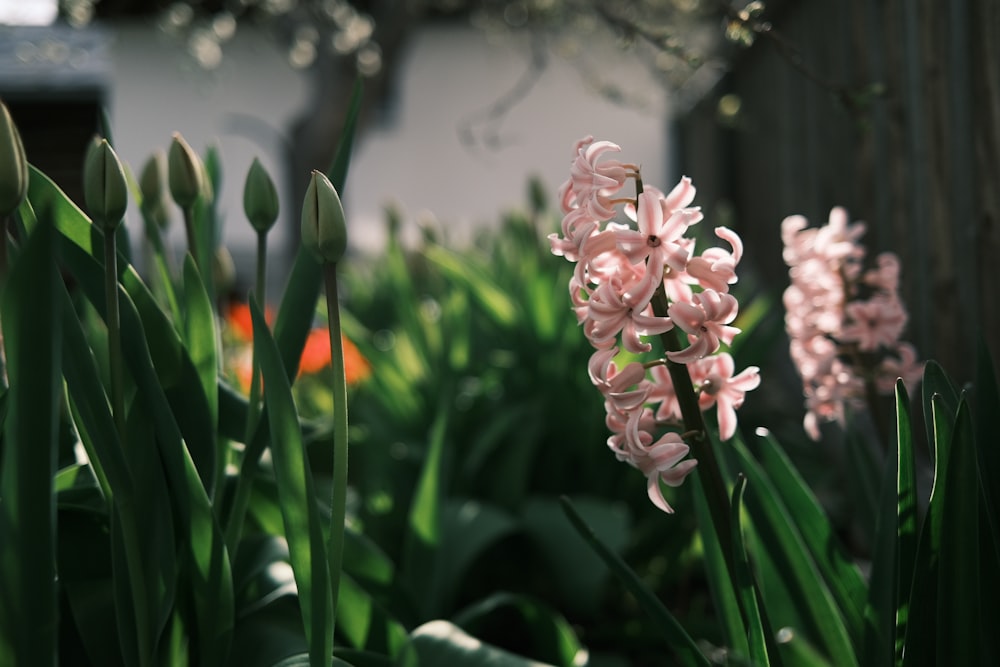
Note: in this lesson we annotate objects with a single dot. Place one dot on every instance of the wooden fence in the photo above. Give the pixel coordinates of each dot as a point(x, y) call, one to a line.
point(890, 108)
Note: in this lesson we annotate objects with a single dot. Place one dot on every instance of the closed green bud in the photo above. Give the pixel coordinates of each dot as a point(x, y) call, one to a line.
point(154, 195)
point(324, 227)
point(104, 186)
point(185, 173)
point(13, 165)
point(260, 198)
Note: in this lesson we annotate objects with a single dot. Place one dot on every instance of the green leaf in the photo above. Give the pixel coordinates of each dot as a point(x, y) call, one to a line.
point(423, 539)
point(906, 516)
point(460, 268)
point(680, 642)
point(547, 632)
point(816, 609)
point(921, 628)
point(201, 337)
point(80, 247)
point(268, 635)
point(84, 564)
point(724, 602)
point(442, 643)
point(581, 580)
point(959, 629)
point(880, 610)
point(296, 492)
point(468, 529)
point(89, 403)
point(840, 574)
point(936, 383)
point(759, 634)
point(206, 558)
point(365, 622)
point(28, 609)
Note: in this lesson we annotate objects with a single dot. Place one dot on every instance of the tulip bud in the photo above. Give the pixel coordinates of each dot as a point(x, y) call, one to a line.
point(185, 173)
point(260, 198)
point(151, 186)
point(104, 186)
point(13, 165)
point(324, 228)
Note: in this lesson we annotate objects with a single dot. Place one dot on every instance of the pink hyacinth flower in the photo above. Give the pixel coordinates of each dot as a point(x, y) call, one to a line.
point(715, 268)
point(706, 321)
point(656, 242)
point(721, 388)
point(594, 184)
point(876, 322)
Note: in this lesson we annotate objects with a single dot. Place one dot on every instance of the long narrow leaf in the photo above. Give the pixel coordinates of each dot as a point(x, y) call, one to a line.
point(782, 542)
point(839, 572)
point(720, 584)
point(880, 610)
point(206, 556)
point(959, 629)
point(299, 509)
point(906, 515)
point(921, 628)
point(683, 646)
point(424, 535)
point(201, 337)
point(28, 609)
point(759, 634)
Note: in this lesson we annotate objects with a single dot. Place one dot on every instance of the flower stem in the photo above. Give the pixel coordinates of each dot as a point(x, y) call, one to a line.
point(126, 511)
point(192, 240)
point(708, 469)
point(253, 408)
point(338, 506)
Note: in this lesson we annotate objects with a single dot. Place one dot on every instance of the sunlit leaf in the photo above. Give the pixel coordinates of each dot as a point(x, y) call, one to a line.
point(302, 521)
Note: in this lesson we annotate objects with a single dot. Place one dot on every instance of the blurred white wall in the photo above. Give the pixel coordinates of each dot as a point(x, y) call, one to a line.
point(416, 159)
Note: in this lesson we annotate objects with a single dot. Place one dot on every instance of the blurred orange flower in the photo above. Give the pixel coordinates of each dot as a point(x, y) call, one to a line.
point(316, 353)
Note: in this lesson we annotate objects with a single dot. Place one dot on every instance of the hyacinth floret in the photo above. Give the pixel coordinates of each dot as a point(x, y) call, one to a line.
point(844, 323)
point(621, 266)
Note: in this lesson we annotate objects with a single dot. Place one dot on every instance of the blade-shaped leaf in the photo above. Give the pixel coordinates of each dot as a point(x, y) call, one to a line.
point(921, 628)
point(906, 515)
point(760, 637)
point(839, 572)
point(28, 609)
point(424, 536)
point(299, 509)
point(683, 646)
point(783, 543)
point(959, 627)
point(727, 607)
point(201, 337)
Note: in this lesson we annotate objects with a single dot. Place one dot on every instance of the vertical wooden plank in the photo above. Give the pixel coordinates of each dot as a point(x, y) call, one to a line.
point(963, 181)
point(916, 155)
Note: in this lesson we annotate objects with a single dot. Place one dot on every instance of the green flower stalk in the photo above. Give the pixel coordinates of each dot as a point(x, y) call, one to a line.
point(106, 194)
point(324, 232)
point(186, 178)
point(13, 178)
point(260, 203)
